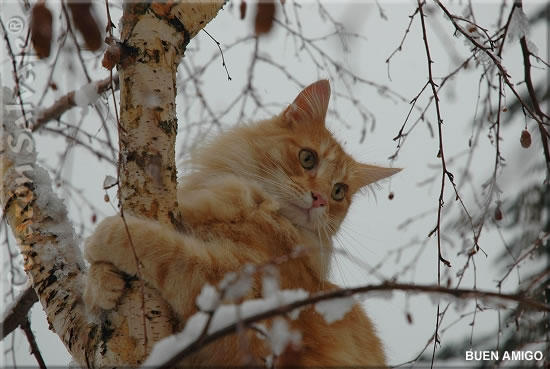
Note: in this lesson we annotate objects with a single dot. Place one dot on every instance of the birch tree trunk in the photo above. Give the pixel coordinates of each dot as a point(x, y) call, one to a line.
point(154, 37)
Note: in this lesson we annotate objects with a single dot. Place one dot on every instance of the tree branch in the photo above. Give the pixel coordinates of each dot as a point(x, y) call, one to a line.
point(17, 313)
point(204, 340)
point(38, 219)
point(534, 100)
point(67, 102)
point(493, 58)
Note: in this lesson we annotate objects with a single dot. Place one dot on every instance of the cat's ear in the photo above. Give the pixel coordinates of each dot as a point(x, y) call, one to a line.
point(371, 173)
point(310, 105)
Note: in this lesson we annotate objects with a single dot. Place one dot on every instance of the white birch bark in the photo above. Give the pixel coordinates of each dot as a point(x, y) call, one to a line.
point(155, 36)
point(154, 40)
point(38, 219)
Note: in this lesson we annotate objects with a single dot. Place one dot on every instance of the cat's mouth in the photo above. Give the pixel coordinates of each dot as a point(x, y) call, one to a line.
point(305, 211)
point(301, 216)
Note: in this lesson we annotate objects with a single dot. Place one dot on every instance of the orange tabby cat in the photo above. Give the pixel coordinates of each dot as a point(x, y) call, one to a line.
point(256, 192)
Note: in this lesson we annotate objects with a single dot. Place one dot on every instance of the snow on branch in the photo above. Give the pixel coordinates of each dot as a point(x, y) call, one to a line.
point(72, 99)
point(225, 320)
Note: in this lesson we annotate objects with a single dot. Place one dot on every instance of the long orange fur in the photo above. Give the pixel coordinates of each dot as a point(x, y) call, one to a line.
point(248, 200)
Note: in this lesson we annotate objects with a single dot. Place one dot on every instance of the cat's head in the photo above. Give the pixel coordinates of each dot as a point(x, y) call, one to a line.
point(297, 160)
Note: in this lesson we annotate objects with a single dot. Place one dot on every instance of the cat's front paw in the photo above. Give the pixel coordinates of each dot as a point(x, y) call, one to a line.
point(104, 287)
point(110, 243)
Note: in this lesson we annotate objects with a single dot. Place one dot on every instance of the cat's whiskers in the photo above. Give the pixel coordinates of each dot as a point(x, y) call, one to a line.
point(252, 168)
point(282, 187)
point(329, 244)
point(342, 251)
point(242, 172)
point(332, 229)
point(294, 192)
point(280, 184)
point(283, 176)
point(344, 246)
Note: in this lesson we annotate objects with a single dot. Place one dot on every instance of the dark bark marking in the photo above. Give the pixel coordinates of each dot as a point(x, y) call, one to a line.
point(128, 55)
point(50, 296)
point(169, 126)
point(45, 283)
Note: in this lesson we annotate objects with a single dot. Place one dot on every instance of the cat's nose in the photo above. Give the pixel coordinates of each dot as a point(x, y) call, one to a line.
point(318, 200)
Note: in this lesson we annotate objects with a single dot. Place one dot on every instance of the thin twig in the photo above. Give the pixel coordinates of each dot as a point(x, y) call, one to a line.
point(493, 58)
point(75, 41)
point(26, 327)
point(221, 52)
point(400, 47)
point(445, 173)
point(15, 75)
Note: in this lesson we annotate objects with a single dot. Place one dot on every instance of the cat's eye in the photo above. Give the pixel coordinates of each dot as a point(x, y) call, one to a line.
point(339, 191)
point(308, 159)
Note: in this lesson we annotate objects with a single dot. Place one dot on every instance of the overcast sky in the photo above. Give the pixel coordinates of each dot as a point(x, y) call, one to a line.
point(372, 228)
